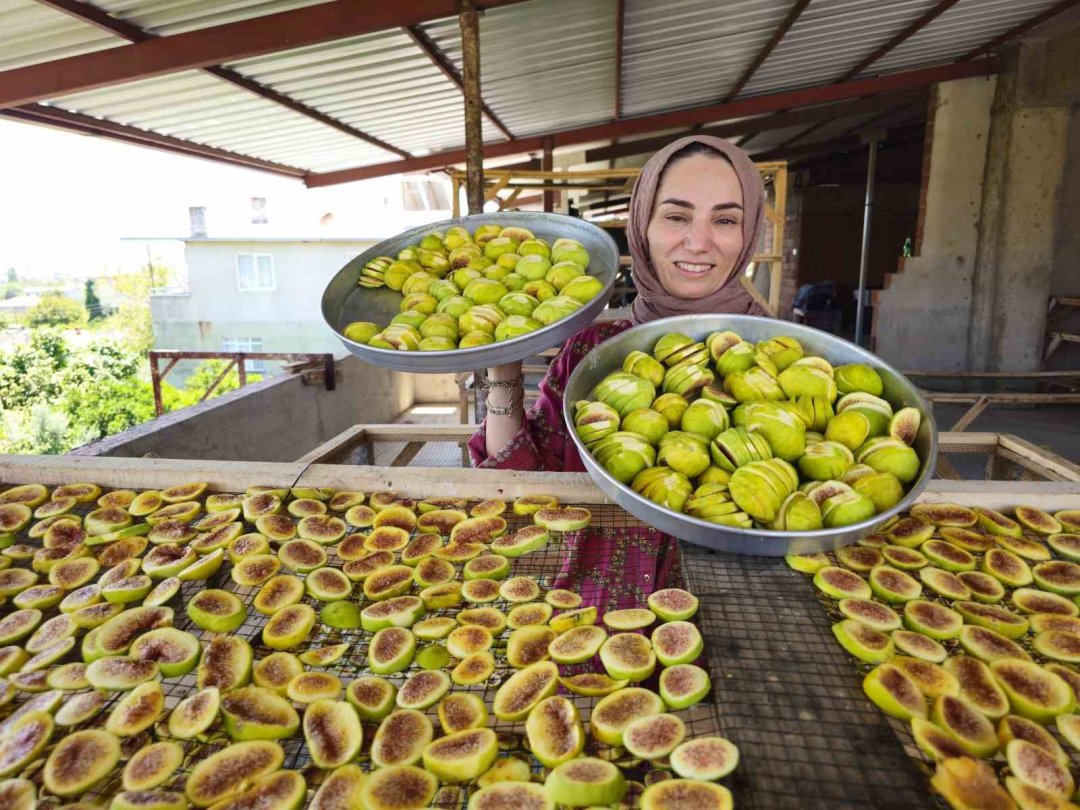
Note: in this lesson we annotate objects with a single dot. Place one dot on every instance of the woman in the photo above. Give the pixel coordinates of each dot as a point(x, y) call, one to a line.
point(695, 215)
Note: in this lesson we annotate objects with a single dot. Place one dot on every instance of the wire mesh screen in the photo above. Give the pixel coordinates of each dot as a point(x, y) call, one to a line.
point(789, 694)
point(983, 461)
point(613, 564)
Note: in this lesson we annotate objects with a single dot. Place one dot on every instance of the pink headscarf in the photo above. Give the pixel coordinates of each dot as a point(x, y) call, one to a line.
point(653, 301)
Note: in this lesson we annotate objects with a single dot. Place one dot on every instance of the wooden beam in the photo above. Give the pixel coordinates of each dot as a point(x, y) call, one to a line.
point(215, 45)
point(97, 17)
point(1022, 28)
point(620, 24)
point(972, 413)
point(890, 83)
point(469, 25)
point(903, 35)
point(763, 54)
point(439, 59)
point(806, 115)
point(88, 125)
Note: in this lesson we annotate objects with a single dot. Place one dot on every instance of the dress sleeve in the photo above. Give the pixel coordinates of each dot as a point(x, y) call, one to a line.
point(543, 443)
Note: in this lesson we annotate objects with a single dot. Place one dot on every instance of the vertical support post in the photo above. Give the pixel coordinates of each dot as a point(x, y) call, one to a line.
point(868, 213)
point(241, 369)
point(547, 164)
point(455, 186)
point(474, 135)
point(155, 379)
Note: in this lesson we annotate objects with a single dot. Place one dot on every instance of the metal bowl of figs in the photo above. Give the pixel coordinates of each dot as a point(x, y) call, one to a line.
point(345, 302)
point(755, 537)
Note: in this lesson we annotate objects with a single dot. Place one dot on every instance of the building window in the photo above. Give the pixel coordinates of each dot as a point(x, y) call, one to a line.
point(248, 345)
point(255, 271)
point(424, 195)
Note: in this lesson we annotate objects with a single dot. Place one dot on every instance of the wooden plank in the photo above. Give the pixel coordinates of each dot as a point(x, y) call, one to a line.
point(964, 441)
point(971, 414)
point(1016, 398)
point(419, 433)
point(1044, 458)
point(407, 454)
point(335, 447)
point(993, 375)
point(147, 473)
point(1050, 496)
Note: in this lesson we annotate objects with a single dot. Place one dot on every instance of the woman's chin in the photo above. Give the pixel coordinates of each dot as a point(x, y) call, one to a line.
point(683, 285)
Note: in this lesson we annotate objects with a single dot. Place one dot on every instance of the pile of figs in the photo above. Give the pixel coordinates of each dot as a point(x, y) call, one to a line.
point(390, 635)
point(461, 290)
point(967, 625)
point(751, 434)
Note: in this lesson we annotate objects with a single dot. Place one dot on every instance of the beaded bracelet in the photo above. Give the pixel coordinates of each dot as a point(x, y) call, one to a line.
point(515, 394)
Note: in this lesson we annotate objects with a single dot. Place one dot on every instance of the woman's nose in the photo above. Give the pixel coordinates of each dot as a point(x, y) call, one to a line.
point(698, 238)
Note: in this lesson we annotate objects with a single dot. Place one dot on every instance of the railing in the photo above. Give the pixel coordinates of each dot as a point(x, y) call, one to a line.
point(311, 365)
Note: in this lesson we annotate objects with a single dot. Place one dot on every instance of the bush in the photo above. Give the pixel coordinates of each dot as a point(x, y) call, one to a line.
point(57, 310)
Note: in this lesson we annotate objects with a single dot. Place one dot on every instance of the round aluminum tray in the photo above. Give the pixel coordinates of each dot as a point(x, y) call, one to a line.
point(344, 302)
point(608, 357)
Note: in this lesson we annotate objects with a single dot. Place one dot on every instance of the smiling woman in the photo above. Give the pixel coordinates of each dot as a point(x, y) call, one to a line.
point(695, 215)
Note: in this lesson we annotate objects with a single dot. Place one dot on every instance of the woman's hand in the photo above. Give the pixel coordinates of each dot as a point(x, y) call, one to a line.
point(501, 428)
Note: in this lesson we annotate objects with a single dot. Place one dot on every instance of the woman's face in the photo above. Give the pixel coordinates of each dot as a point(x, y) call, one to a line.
point(695, 232)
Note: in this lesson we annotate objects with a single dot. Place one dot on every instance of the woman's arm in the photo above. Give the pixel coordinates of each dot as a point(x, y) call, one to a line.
point(502, 427)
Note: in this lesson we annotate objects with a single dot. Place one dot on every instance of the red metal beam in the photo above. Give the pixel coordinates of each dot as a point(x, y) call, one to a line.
point(87, 125)
point(438, 58)
point(909, 30)
point(898, 135)
point(215, 45)
point(1022, 28)
point(767, 48)
point(620, 24)
point(762, 123)
point(90, 13)
point(890, 83)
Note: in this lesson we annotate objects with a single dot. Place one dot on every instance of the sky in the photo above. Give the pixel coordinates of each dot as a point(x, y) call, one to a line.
point(69, 200)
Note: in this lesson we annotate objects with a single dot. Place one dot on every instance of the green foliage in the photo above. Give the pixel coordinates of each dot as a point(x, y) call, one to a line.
point(57, 310)
point(91, 301)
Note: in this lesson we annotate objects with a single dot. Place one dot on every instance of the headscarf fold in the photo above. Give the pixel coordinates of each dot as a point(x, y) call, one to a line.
point(653, 301)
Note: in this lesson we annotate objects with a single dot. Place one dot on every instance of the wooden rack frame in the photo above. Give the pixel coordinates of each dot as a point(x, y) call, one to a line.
point(514, 181)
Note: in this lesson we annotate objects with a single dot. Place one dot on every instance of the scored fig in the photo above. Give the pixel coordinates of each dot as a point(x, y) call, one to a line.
point(401, 738)
point(333, 733)
point(79, 761)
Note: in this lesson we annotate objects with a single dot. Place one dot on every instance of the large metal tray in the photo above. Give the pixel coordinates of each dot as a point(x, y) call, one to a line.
point(344, 302)
point(608, 357)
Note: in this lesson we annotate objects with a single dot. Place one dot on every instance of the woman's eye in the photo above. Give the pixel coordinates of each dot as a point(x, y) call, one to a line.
point(676, 218)
point(726, 221)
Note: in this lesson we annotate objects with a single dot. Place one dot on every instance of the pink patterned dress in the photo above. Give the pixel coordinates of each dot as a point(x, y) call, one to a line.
point(611, 568)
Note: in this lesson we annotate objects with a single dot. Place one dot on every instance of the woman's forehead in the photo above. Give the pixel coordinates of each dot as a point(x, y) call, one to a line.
point(700, 180)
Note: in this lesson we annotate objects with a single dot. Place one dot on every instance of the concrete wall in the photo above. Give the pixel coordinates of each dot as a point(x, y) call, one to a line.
point(281, 418)
point(924, 313)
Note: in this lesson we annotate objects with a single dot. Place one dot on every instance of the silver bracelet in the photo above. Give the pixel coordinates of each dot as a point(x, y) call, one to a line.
point(515, 393)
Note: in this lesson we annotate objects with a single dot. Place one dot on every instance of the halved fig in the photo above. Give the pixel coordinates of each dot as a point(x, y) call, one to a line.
point(521, 542)
point(19, 624)
point(276, 671)
point(480, 591)
point(932, 619)
point(433, 571)
point(1036, 520)
point(613, 713)
point(1014, 727)
point(983, 587)
point(945, 514)
point(439, 597)
point(137, 711)
point(79, 761)
point(387, 538)
point(216, 610)
point(327, 655)
point(570, 619)
point(932, 679)
point(947, 556)
point(308, 687)
point(255, 570)
point(1033, 692)
point(577, 644)
point(226, 664)
point(1060, 577)
point(24, 740)
point(859, 558)
point(839, 583)
point(1057, 646)
point(585, 782)
point(892, 585)
point(1038, 768)
point(863, 641)
point(1066, 544)
point(256, 713)
point(434, 628)
point(305, 507)
point(458, 552)
point(993, 617)
point(284, 789)
point(515, 794)
point(519, 693)
point(421, 546)
point(69, 677)
point(229, 771)
point(260, 504)
point(519, 589)
point(388, 582)
point(970, 783)
point(279, 528)
point(289, 627)
point(910, 532)
point(459, 711)
point(528, 645)
point(423, 689)
point(401, 611)
point(473, 669)
point(987, 645)
point(340, 790)
point(489, 508)
point(1069, 519)
point(401, 738)
point(934, 742)
point(894, 692)
point(391, 650)
point(1026, 548)
point(946, 583)
point(247, 545)
point(58, 628)
point(462, 756)
point(676, 642)
point(448, 502)
point(806, 563)
point(302, 555)
point(486, 566)
point(119, 673)
point(213, 520)
point(328, 584)
point(628, 656)
point(14, 517)
point(174, 512)
point(686, 793)
point(195, 714)
point(682, 685)
point(372, 697)
point(278, 592)
point(175, 651)
point(997, 524)
point(654, 736)
point(17, 794)
point(1052, 622)
point(333, 733)
point(29, 494)
point(54, 508)
point(563, 518)
point(491, 618)
point(478, 530)
point(705, 758)
point(967, 725)
point(397, 787)
point(323, 529)
point(168, 560)
point(978, 685)
point(362, 567)
point(400, 517)
point(967, 539)
point(79, 708)
point(531, 613)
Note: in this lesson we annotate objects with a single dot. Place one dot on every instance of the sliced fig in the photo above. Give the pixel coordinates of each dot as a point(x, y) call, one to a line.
point(1025, 547)
point(17, 794)
point(1033, 692)
point(195, 714)
point(686, 793)
point(462, 756)
point(1038, 768)
point(396, 787)
point(932, 619)
point(932, 679)
point(231, 770)
point(945, 514)
point(19, 624)
point(28, 494)
point(528, 645)
point(1056, 646)
point(308, 687)
point(289, 627)
point(276, 671)
point(894, 692)
point(362, 567)
point(387, 538)
point(934, 742)
point(563, 518)
point(1066, 544)
point(438, 597)
point(676, 642)
point(892, 585)
point(340, 790)
point(970, 783)
point(302, 555)
point(525, 540)
point(1053, 622)
point(654, 736)
point(967, 725)
point(401, 738)
point(1015, 727)
point(433, 571)
point(519, 693)
point(573, 618)
point(323, 529)
point(175, 651)
point(325, 656)
point(1060, 577)
point(388, 582)
point(910, 532)
point(473, 669)
point(983, 587)
point(585, 782)
point(360, 516)
point(491, 618)
point(530, 613)
point(333, 733)
point(947, 584)
point(478, 530)
point(284, 789)
point(256, 713)
point(993, 617)
point(137, 711)
point(863, 641)
point(256, 570)
point(120, 673)
point(480, 591)
point(401, 611)
point(68, 677)
point(987, 645)
point(577, 644)
point(514, 794)
point(919, 646)
point(628, 656)
point(24, 740)
point(391, 650)
point(79, 761)
point(16, 580)
point(216, 610)
point(278, 592)
point(279, 528)
point(226, 664)
point(683, 685)
point(328, 584)
point(372, 697)
point(613, 713)
point(705, 758)
point(460, 711)
point(519, 589)
point(1037, 521)
point(839, 583)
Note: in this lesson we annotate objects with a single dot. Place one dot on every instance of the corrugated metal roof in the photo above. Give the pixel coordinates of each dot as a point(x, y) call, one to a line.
point(545, 65)
point(165, 17)
point(962, 28)
point(829, 39)
point(31, 32)
point(680, 53)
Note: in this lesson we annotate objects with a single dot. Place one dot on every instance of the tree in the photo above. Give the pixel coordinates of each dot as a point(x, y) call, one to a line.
point(57, 310)
point(92, 302)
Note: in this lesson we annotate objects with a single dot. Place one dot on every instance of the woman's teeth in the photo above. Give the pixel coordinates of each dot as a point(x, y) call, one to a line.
point(692, 267)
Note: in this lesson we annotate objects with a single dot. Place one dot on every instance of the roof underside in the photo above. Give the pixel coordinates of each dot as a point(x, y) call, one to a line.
point(547, 66)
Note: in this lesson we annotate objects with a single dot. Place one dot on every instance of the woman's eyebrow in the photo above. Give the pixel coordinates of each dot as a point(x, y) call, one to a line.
point(684, 204)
